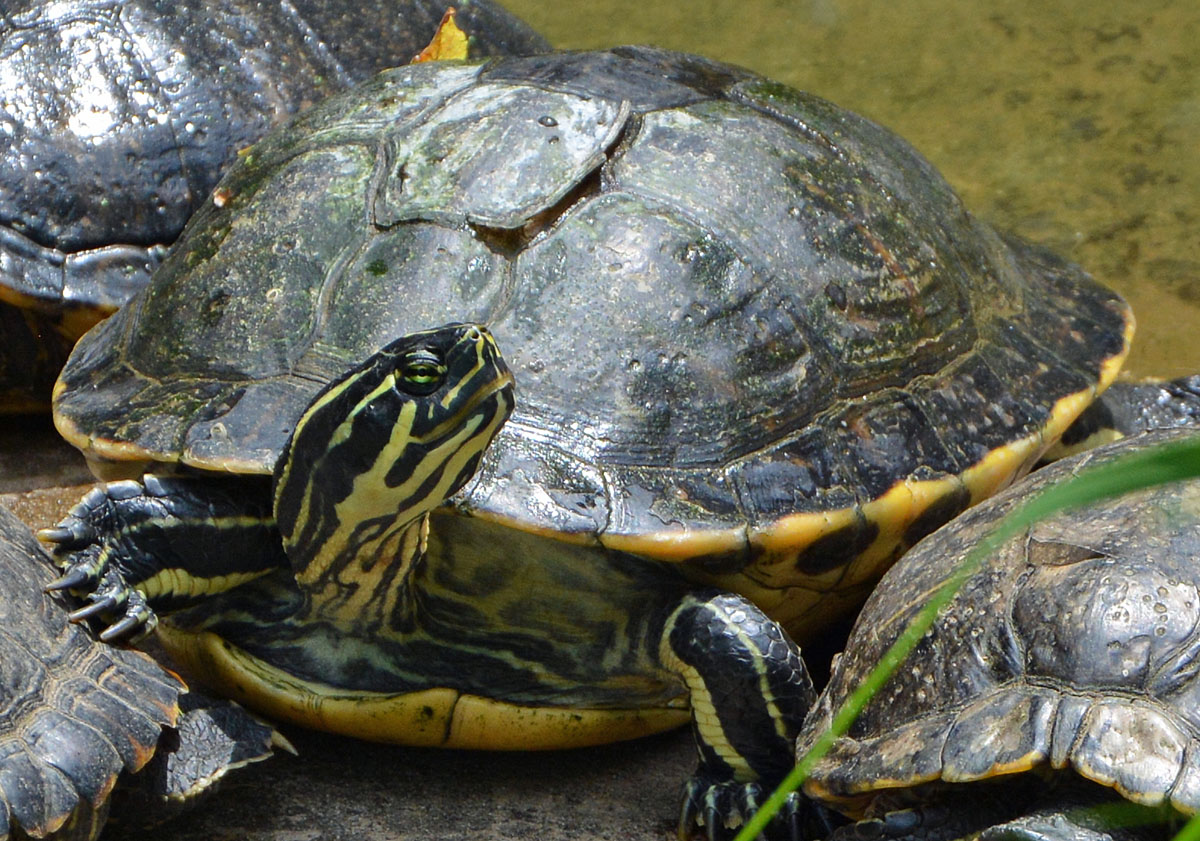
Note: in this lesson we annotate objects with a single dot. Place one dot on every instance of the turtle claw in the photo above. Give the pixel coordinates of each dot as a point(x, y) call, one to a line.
point(133, 626)
point(79, 529)
point(721, 808)
point(87, 548)
point(98, 605)
point(72, 579)
point(83, 570)
point(60, 535)
point(115, 597)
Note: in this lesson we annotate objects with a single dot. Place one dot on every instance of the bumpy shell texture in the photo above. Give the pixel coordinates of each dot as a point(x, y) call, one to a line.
point(1074, 646)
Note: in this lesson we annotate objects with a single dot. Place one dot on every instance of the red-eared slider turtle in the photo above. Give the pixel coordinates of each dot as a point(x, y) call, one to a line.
point(77, 716)
point(1072, 648)
point(759, 346)
point(118, 117)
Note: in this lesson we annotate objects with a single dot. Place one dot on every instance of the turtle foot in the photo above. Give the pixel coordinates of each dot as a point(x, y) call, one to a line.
point(719, 809)
point(87, 544)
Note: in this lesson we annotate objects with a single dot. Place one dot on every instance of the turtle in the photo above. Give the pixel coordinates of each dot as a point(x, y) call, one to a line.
point(78, 717)
point(120, 116)
point(1062, 673)
point(759, 347)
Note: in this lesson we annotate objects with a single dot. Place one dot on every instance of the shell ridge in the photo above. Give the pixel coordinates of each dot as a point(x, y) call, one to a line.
point(739, 93)
point(328, 292)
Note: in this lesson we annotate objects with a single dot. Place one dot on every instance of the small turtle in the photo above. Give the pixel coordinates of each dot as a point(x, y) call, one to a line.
point(759, 344)
point(1063, 673)
point(118, 117)
point(78, 717)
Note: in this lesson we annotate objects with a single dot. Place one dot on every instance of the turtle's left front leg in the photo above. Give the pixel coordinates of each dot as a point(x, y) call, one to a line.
point(750, 691)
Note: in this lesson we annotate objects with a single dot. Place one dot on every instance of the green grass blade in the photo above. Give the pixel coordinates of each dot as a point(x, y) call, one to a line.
point(1141, 469)
point(1190, 831)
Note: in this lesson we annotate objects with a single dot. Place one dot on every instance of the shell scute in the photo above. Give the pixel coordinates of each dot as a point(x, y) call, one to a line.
point(446, 170)
point(80, 752)
point(1133, 747)
point(1004, 732)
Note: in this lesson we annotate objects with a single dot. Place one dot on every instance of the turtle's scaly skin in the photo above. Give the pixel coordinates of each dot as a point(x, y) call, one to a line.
point(754, 333)
point(73, 714)
point(119, 117)
point(78, 718)
point(1072, 647)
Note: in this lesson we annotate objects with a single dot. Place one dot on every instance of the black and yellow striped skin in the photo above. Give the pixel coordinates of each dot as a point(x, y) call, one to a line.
point(554, 645)
point(378, 450)
point(337, 601)
point(484, 615)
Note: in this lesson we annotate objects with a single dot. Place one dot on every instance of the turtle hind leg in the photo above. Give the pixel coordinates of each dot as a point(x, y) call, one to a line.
point(211, 738)
point(750, 691)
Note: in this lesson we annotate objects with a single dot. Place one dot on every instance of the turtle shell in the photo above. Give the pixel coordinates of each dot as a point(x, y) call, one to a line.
point(74, 713)
point(1073, 646)
point(751, 331)
point(121, 115)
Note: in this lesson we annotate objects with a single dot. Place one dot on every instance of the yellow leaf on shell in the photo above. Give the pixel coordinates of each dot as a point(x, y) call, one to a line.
point(449, 42)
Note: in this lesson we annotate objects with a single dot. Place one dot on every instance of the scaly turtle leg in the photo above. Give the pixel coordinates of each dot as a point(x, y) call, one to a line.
point(162, 544)
point(749, 693)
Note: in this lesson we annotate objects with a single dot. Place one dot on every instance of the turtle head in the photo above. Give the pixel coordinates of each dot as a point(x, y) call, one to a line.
point(388, 442)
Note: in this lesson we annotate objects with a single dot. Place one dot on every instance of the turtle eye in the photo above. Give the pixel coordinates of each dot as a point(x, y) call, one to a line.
point(420, 373)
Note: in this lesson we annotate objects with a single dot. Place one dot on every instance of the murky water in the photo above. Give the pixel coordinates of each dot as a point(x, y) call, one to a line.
point(1073, 123)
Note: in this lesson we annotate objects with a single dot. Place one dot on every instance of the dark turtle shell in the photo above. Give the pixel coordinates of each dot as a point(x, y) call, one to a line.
point(1073, 646)
point(119, 117)
point(750, 330)
point(74, 713)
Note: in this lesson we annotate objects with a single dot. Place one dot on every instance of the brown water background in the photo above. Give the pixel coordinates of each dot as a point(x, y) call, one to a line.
point(1073, 123)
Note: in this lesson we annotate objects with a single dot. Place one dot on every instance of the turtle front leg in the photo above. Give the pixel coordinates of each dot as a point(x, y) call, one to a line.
point(165, 543)
point(750, 691)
